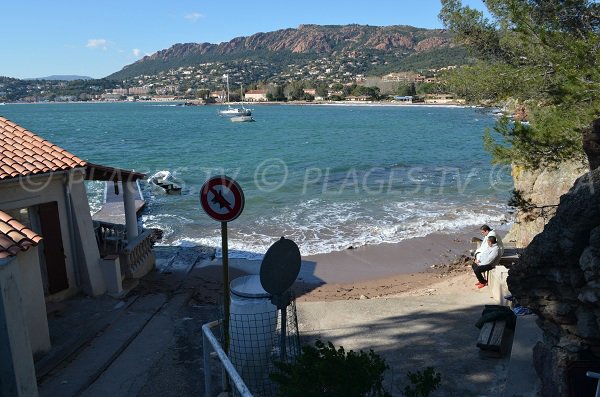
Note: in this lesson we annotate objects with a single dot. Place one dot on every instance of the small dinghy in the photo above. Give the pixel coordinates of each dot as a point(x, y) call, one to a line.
point(162, 179)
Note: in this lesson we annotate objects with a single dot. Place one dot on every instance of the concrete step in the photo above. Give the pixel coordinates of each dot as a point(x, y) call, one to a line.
point(87, 364)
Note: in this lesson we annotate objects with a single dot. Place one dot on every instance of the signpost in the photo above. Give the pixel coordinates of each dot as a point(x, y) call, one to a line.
point(223, 200)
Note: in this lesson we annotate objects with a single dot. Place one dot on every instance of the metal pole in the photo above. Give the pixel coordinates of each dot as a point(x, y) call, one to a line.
point(283, 332)
point(226, 298)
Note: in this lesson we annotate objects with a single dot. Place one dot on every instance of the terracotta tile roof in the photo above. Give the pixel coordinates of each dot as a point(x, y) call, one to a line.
point(23, 153)
point(15, 237)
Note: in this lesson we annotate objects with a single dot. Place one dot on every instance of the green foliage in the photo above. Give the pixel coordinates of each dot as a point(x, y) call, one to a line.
point(323, 371)
point(406, 89)
point(541, 54)
point(530, 145)
point(428, 88)
point(423, 383)
point(371, 92)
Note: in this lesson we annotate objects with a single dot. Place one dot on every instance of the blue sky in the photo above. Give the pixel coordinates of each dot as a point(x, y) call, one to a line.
point(96, 38)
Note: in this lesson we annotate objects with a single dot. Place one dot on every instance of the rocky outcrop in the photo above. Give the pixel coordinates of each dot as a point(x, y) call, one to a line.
point(543, 188)
point(318, 39)
point(591, 144)
point(558, 277)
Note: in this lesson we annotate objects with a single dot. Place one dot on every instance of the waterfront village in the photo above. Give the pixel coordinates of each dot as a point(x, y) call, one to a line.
point(320, 81)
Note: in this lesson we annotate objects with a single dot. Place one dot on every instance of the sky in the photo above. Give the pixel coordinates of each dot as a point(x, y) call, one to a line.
point(40, 38)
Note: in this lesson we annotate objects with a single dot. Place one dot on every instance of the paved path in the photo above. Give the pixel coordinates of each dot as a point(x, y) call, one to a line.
point(150, 344)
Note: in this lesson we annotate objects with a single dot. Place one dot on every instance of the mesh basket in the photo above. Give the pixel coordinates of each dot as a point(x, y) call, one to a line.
point(256, 342)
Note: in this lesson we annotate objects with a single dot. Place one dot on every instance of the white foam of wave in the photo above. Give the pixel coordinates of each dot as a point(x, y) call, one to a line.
point(321, 229)
point(168, 223)
point(95, 193)
point(162, 174)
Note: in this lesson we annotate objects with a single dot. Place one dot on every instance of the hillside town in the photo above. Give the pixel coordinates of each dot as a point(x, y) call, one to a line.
point(323, 79)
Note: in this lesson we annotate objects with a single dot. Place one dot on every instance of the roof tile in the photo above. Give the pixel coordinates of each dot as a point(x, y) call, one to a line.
point(15, 237)
point(21, 150)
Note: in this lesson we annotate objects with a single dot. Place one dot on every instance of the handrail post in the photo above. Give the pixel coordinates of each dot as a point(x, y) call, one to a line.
point(206, 354)
point(227, 365)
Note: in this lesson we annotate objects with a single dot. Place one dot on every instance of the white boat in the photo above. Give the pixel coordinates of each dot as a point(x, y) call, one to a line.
point(163, 180)
point(231, 112)
point(241, 119)
point(234, 111)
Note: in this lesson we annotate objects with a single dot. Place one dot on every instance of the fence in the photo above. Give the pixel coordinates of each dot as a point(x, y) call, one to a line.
point(255, 345)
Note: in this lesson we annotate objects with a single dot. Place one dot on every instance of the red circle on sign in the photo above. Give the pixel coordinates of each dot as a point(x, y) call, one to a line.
point(222, 198)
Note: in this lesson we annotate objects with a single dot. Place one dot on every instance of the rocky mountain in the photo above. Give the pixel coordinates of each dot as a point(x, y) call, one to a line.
point(398, 47)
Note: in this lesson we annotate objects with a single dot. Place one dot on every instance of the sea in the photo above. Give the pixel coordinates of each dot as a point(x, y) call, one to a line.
point(329, 177)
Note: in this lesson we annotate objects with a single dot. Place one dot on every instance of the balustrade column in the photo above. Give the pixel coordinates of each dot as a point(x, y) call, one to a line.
point(129, 193)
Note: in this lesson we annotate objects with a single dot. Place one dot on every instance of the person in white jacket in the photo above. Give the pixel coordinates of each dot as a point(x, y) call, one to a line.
point(486, 231)
point(488, 259)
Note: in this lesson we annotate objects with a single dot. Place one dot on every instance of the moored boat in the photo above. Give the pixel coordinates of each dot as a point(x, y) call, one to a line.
point(241, 119)
point(233, 111)
point(162, 180)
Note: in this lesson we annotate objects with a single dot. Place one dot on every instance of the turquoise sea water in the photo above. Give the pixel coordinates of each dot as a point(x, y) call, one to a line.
point(326, 176)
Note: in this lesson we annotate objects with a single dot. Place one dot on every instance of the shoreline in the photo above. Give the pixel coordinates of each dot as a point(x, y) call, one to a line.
point(375, 271)
point(267, 103)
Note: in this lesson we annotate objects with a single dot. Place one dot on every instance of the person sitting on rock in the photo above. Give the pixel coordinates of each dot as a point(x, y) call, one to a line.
point(488, 259)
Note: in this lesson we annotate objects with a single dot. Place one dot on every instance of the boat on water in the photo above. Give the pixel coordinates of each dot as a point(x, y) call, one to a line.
point(233, 111)
point(241, 119)
point(163, 180)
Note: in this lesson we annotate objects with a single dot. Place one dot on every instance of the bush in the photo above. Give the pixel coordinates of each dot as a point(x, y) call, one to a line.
point(424, 383)
point(323, 371)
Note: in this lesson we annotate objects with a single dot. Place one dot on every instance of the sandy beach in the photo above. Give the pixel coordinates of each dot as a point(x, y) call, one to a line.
point(413, 302)
point(372, 271)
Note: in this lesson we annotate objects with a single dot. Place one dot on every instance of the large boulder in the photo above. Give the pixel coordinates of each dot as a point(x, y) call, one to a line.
point(591, 144)
point(543, 188)
point(558, 277)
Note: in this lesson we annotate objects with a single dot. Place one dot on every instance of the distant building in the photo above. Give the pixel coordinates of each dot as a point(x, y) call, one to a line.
point(359, 98)
point(256, 95)
point(443, 99)
point(163, 98)
point(138, 91)
point(112, 96)
point(403, 98)
point(217, 96)
point(401, 77)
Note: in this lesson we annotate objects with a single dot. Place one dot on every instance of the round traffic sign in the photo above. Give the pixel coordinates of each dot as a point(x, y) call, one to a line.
point(222, 198)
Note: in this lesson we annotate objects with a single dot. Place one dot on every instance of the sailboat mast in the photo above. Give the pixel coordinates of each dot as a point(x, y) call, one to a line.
point(227, 79)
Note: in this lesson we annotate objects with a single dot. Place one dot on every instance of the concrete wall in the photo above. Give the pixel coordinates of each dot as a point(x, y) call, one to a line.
point(75, 222)
point(79, 243)
point(88, 258)
point(33, 303)
point(497, 284)
point(39, 190)
point(17, 372)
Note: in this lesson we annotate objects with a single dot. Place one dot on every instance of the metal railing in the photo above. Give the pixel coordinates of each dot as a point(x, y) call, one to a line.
point(209, 340)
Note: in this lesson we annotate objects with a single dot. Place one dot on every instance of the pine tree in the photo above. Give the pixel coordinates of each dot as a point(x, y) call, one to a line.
point(545, 55)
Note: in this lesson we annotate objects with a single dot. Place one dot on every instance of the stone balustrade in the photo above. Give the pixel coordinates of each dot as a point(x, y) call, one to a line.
point(136, 257)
